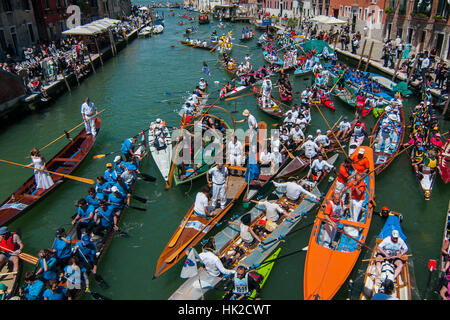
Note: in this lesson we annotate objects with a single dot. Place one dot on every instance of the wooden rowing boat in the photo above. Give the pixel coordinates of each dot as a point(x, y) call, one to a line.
point(286, 98)
point(193, 228)
point(269, 60)
point(229, 239)
point(276, 111)
point(230, 71)
point(444, 162)
point(104, 241)
point(445, 240)
point(65, 162)
point(162, 157)
point(300, 71)
point(385, 154)
point(208, 47)
point(372, 284)
point(327, 268)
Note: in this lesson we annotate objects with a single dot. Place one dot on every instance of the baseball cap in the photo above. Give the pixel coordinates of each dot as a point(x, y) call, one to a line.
point(394, 234)
point(117, 158)
point(3, 230)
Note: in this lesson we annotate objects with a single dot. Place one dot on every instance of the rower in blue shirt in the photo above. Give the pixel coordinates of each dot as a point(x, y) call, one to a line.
point(118, 165)
point(128, 148)
point(122, 186)
point(102, 186)
point(62, 247)
point(47, 265)
point(106, 216)
point(94, 198)
point(84, 217)
point(55, 291)
point(110, 174)
point(34, 287)
point(116, 199)
point(85, 249)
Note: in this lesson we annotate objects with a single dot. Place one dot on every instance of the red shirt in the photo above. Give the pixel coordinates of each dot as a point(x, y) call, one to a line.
point(343, 174)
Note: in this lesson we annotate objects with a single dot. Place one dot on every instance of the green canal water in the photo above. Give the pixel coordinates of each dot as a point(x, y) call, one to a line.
point(134, 88)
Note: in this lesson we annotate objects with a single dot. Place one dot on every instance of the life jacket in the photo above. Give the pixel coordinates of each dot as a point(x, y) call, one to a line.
point(432, 163)
point(336, 210)
point(418, 156)
point(8, 243)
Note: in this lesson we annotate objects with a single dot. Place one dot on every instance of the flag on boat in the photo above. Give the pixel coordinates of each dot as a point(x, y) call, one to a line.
point(190, 265)
point(252, 171)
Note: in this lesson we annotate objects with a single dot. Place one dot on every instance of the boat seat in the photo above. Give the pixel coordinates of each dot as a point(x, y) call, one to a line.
point(30, 196)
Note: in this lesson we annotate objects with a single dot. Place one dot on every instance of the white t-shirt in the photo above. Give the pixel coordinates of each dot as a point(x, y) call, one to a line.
point(273, 210)
point(201, 201)
point(246, 236)
point(218, 176)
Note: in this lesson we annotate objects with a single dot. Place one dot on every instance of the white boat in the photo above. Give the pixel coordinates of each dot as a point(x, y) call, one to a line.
point(162, 157)
point(145, 32)
point(157, 29)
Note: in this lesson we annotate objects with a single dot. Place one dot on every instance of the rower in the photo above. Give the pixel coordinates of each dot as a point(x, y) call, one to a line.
point(344, 175)
point(297, 134)
point(128, 147)
point(235, 153)
point(273, 210)
point(358, 187)
point(213, 265)
point(47, 265)
point(242, 284)
point(333, 212)
point(391, 249)
point(88, 111)
point(310, 147)
point(62, 248)
point(360, 161)
point(201, 207)
point(217, 178)
point(252, 125)
point(319, 167)
point(34, 287)
point(110, 174)
point(160, 141)
point(202, 85)
point(86, 251)
point(322, 140)
point(10, 240)
point(386, 291)
point(84, 217)
point(266, 89)
point(248, 235)
point(344, 129)
point(294, 190)
point(379, 107)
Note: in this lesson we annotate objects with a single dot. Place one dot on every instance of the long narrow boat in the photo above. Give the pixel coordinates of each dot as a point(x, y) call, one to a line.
point(276, 111)
point(444, 162)
point(162, 157)
point(285, 97)
point(445, 239)
point(267, 57)
point(301, 70)
point(229, 240)
point(193, 228)
point(346, 95)
point(384, 155)
point(104, 241)
point(372, 284)
point(327, 268)
point(65, 162)
point(208, 47)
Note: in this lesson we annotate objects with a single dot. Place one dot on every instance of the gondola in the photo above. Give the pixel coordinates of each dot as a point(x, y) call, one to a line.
point(65, 162)
point(187, 43)
point(444, 162)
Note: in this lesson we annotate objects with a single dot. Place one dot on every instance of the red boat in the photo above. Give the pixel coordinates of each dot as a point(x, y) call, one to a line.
point(65, 162)
point(328, 103)
point(444, 162)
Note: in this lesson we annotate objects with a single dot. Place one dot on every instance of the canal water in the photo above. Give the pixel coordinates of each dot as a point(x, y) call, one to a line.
point(150, 79)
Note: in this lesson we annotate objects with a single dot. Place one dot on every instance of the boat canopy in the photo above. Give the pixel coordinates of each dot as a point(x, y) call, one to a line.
point(92, 28)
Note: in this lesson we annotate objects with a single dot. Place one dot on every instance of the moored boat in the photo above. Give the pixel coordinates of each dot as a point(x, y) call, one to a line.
point(65, 162)
point(373, 284)
point(331, 257)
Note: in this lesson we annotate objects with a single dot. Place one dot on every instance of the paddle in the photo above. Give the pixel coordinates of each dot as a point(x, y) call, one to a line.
point(212, 50)
point(103, 284)
point(67, 132)
point(80, 179)
point(431, 268)
point(24, 256)
point(243, 95)
point(98, 156)
point(146, 177)
point(141, 199)
point(281, 237)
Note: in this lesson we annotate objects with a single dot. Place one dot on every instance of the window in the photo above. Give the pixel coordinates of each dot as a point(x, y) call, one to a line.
point(360, 13)
point(2, 40)
point(25, 5)
point(7, 5)
point(409, 37)
point(31, 32)
point(380, 16)
point(46, 4)
point(341, 11)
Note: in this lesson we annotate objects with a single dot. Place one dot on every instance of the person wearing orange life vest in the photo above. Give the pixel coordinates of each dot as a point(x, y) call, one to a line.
point(360, 162)
point(333, 212)
point(11, 246)
point(343, 175)
point(358, 187)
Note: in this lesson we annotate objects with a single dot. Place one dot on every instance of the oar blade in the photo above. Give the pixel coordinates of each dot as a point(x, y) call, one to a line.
point(99, 297)
point(99, 156)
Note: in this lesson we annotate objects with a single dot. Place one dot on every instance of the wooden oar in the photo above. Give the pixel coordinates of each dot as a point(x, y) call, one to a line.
point(85, 180)
point(24, 256)
point(240, 45)
point(328, 125)
point(243, 95)
point(65, 133)
point(212, 50)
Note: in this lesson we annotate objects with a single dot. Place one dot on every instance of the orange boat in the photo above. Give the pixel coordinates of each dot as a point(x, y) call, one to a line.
point(327, 268)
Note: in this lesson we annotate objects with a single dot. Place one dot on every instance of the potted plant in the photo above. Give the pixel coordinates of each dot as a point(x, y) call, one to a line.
point(389, 10)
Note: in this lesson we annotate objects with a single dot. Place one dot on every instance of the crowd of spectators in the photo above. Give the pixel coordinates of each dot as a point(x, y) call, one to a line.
point(45, 63)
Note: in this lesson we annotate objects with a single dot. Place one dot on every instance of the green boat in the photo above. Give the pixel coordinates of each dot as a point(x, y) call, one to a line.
point(265, 270)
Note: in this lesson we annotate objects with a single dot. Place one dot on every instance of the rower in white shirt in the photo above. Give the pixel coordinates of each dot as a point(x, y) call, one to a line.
point(201, 207)
point(217, 178)
point(322, 140)
point(344, 128)
point(235, 151)
point(310, 147)
point(297, 134)
point(212, 263)
point(273, 210)
point(319, 166)
point(294, 190)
